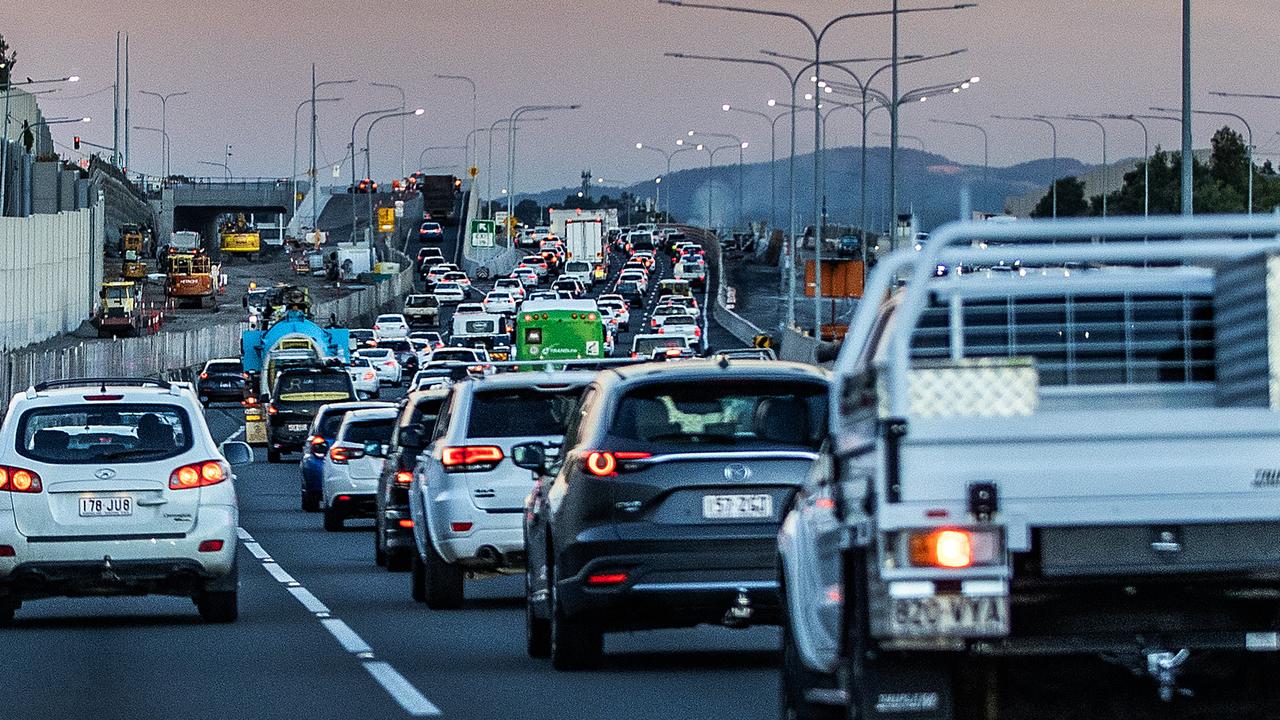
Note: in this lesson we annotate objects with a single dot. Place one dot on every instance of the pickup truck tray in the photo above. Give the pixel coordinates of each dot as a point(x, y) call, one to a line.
point(1250, 547)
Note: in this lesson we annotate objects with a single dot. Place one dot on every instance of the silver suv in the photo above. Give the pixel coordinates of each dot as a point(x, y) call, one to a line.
point(467, 497)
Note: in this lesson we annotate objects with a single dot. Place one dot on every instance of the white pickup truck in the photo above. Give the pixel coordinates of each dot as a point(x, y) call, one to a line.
point(1055, 439)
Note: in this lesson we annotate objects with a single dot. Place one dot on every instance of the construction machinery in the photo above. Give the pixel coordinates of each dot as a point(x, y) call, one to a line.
point(132, 241)
point(120, 309)
point(239, 237)
point(189, 280)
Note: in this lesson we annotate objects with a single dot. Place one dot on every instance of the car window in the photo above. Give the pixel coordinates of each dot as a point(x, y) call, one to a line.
point(223, 367)
point(367, 431)
point(521, 412)
point(330, 422)
point(313, 387)
point(378, 353)
point(388, 318)
point(104, 432)
point(724, 413)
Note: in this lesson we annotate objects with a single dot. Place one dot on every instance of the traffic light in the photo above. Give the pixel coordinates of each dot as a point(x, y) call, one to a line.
point(76, 142)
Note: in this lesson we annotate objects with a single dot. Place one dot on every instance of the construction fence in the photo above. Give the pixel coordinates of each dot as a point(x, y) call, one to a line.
point(50, 272)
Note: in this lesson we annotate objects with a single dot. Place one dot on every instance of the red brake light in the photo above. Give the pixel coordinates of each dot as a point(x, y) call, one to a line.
point(204, 376)
point(603, 463)
point(471, 457)
point(209, 472)
point(954, 548)
point(405, 523)
point(210, 546)
point(340, 455)
point(7, 551)
point(460, 527)
point(19, 480)
point(105, 398)
point(404, 477)
point(272, 409)
point(615, 578)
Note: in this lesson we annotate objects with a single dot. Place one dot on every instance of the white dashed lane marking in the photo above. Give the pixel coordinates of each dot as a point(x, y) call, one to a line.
point(396, 685)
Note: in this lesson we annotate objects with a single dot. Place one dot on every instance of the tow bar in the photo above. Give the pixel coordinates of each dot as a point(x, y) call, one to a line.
point(1163, 666)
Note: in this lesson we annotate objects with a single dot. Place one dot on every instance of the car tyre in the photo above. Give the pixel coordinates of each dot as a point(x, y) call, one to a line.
point(8, 608)
point(332, 519)
point(219, 607)
point(398, 560)
point(418, 578)
point(443, 583)
point(310, 501)
point(379, 555)
point(537, 631)
point(576, 643)
point(273, 455)
point(795, 679)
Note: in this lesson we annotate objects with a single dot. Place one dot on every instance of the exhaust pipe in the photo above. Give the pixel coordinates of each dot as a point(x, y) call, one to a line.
point(490, 554)
point(739, 615)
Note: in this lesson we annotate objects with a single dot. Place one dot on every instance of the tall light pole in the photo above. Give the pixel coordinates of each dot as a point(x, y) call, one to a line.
point(432, 148)
point(666, 156)
point(1146, 158)
point(986, 142)
point(164, 143)
point(773, 155)
point(400, 90)
point(904, 136)
point(360, 117)
point(294, 175)
point(164, 124)
point(1053, 186)
point(1248, 130)
point(226, 167)
point(1106, 169)
point(511, 150)
point(488, 171)
point(4, 135)
point(312, 175)
point(474, 128)
point(368, 142)
point(741, 145)
point(1188, 153)
point(817, 35)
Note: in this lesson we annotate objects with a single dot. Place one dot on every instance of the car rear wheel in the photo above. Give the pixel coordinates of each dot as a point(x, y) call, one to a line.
point(8, 608)
point(398, 560)
point(443, 583)
point(796, 680)
point(332, 519)
point(379, 555)
point(310, 501)
point(273, 455)
point(219, 607)
point(418, 580)
point(576, 643)
point(537, 630)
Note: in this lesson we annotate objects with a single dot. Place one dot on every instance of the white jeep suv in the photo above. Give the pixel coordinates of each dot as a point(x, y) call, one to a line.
point(115, 487)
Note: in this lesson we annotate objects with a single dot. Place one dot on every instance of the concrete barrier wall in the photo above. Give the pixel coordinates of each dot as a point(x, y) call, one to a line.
point(50, 271)
point(739, 327)
point(165, 353)
point(485, 262)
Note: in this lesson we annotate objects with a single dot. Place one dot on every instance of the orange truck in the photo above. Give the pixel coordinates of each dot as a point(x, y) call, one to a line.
point(190, 280)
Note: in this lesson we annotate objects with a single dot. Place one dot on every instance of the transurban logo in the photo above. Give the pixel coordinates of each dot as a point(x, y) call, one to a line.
point(1266, 478)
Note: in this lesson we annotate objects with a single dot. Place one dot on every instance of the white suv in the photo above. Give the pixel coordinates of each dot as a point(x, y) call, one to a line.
point(115, 487)
point(467, 497)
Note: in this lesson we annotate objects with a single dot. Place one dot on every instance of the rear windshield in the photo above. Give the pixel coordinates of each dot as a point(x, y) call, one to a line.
point(454, 354)
point(314, 387)
point(680, 320)
point(480, 327)
point(646, 346)
point(330, 422)
point(522, 412)
point(223, 367)
point(381, 352)
point(724, 413)
point(367, 431)
point(422, 301)
point(396, 345)
point(104, 432)
point(577, 267)
point(388, 318)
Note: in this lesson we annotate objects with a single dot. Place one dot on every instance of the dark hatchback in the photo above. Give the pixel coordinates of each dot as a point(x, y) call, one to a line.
point(221, 380)
point(393, 527)
point(631, 292)
point(405, 355)
point(663, 508)
point(297, 395)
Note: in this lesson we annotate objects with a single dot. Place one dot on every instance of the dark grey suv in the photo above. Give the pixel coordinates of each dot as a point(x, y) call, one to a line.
point(663, 508)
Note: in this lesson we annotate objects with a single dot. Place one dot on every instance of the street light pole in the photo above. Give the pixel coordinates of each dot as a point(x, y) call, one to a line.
point(1054, 129)
point(474, 128)
point(1106, 169)
point(400, 90)
point(986, 144)
point(741, 146)
point(164, 141)
point(1146, 159)
point(1188, 153)
point(1248, 130)
point(312, 174)
point(511, 151)
point(371, 113)
point(4, 135)
point(773, 155)
point(164, 125)
point(294, 175)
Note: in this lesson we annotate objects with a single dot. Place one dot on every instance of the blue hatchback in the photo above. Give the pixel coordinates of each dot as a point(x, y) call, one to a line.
point(324, 428)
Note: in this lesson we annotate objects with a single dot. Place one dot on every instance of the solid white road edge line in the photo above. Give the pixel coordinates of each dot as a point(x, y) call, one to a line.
point(392, 682)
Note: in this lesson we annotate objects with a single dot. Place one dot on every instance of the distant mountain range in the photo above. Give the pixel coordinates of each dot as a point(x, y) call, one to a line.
point(928, 184)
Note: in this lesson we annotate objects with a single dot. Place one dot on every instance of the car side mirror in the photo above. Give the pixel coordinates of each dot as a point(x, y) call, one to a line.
point(236, 453)
point(374, 449)
point(530, 456)
point(264, 398)
point(410, 437)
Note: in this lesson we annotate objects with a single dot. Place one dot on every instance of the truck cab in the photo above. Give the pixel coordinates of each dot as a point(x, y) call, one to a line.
point(120, 309)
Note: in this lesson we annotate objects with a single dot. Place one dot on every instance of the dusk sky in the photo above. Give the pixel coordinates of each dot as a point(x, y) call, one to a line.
point(247, 64)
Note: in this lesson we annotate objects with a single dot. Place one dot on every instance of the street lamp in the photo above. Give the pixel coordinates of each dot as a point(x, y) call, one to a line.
point(474, 128)
point(226, 167)
point(4, 135)
point(511, 148)
point(360, 117)
point(164, 125)
point(1248, 130)
point(431, 148)
point(986, 145)
point(400, 90)
point(773, 154)
point(1106, 170)
point(1146, 157)
point(164, 143)
point(488, 171)
point(294, 176)
point(741, 145)
point(1054, 128)
point(312, 175)
point(666, 156)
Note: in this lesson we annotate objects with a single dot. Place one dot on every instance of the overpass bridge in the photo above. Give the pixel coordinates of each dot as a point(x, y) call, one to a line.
point(198, 203)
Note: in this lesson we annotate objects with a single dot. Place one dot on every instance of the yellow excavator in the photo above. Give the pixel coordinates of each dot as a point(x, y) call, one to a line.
point(119, 309)
point(238, 237)
point(131, 242)
point(189, 280)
